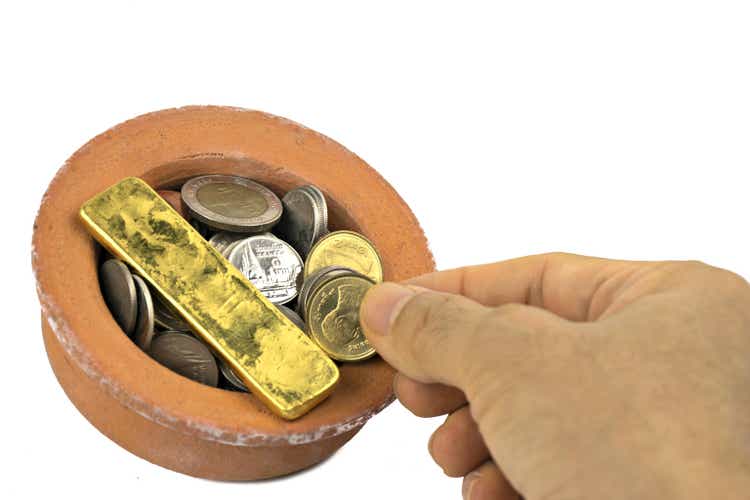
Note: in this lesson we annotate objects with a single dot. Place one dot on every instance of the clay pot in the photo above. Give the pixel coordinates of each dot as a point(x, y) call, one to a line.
point(148, 409)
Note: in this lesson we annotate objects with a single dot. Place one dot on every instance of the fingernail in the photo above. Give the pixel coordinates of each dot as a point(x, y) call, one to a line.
point(468, 485)
point(381, 306)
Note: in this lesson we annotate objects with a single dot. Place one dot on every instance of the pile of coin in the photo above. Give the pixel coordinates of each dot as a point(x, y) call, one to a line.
point(316, 278)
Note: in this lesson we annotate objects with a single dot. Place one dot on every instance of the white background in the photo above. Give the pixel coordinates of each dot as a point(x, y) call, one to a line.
point(615, 129)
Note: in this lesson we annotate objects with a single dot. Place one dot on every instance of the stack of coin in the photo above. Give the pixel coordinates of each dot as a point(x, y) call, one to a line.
point(166, 317)
point(304, 219)
point(236, 215)
point(129, 300)
point(330, 307)
point(131, 303)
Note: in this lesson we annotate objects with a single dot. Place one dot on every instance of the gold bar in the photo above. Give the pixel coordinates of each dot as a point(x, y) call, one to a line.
point(274, 358)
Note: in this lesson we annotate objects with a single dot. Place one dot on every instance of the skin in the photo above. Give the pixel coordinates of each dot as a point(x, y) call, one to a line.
point(571, 377)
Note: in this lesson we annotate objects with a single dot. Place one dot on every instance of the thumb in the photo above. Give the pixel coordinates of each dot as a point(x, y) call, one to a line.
point(441, 337)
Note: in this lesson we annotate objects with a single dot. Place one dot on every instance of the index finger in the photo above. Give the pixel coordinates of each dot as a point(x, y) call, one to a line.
point(576, 287)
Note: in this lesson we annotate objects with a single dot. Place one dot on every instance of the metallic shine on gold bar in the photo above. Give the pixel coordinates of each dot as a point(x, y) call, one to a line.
point(274, 358)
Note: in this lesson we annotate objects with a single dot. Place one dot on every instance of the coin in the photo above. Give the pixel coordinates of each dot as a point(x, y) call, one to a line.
point(292, 316)
point(164, 332)
point(271, 264)
point(300, 221)
point(348, 249)
point(333, 318)
point(166, 317)
point(312, 281)
point(221, 240)
point(185, 355)
point(230, 376)
point(144, 326)
point(229, 248)
point(232, 203)
point(226, 243)
point(322, 207)
point(119, 293)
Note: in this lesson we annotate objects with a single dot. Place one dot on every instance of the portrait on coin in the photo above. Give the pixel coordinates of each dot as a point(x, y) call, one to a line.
point(341, 325)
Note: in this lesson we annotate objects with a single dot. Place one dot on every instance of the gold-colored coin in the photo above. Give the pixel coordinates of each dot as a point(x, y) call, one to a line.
point(347, 249)
point(333, 318)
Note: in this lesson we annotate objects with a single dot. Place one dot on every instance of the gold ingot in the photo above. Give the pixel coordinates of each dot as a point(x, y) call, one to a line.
point(274, 358)
point(347, 249)
point(333, 317)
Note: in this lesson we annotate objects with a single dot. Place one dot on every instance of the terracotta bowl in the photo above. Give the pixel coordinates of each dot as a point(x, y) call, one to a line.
point(148, 409)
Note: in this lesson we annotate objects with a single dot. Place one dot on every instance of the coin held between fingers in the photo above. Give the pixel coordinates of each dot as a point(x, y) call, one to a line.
point(333, 318)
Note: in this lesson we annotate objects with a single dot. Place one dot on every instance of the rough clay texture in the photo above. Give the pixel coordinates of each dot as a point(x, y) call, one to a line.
point(149, 410)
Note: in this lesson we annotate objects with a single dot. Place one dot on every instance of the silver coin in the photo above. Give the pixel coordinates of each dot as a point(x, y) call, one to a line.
point(164, 332)
point(229, 375)
point(311, 283)
point(221, 240)
point(293, 316)
point(232, 203)
point(166, 317)
point(321, 207)
point(185, 355)
point(119, 293)
point(271, 264)
point(144, 326)
point(229, 248)
point(300, 221)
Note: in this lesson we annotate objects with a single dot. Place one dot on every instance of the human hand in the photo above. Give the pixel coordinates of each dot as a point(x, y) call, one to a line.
point(573, 377)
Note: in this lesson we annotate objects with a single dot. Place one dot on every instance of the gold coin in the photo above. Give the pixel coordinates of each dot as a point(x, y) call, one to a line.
point(347, 249)
point(333, 318)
